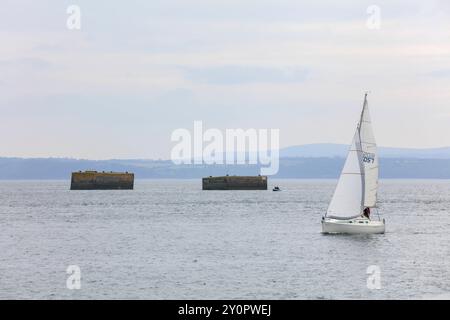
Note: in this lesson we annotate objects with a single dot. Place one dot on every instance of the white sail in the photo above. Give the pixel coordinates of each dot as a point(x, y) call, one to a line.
point(369, 157)
point(348, 197)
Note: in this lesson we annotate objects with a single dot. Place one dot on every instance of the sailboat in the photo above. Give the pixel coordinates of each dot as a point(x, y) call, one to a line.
point(356, 192)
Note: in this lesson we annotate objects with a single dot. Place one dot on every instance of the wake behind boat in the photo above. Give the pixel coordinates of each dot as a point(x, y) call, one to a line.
point(356, 192)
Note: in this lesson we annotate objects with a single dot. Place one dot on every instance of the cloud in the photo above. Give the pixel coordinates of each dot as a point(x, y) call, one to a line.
point(297, 65)
point(443, 73)
point(27, 63)
point(230, 75)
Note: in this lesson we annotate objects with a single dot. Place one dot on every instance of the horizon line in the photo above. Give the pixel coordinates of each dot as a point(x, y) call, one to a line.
point(165, 159)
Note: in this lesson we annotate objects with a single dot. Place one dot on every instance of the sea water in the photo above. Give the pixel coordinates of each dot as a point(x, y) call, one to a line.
point(168, 239)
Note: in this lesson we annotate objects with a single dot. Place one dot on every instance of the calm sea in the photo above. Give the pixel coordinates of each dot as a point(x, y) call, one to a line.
point(168, 239)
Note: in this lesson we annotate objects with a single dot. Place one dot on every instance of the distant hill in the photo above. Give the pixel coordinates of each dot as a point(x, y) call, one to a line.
point(305, 161)
point(340, 150)
point(304, 168)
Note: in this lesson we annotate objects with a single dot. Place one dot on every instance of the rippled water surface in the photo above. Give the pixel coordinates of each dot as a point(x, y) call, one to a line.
point(169, 239)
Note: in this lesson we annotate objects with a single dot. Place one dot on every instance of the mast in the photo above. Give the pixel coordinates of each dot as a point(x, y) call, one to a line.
point(361, 155)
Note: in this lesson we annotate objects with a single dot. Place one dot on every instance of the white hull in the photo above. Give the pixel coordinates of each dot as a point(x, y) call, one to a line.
point(352, 226)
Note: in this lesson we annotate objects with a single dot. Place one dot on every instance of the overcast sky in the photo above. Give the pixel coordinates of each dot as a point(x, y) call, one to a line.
point(137, 70)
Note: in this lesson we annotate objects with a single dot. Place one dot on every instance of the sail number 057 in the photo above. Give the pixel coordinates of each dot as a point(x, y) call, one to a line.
point(369, 157)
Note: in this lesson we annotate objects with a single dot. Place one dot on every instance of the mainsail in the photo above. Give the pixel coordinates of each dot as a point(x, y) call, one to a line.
point(358, 182)
point(369, 157)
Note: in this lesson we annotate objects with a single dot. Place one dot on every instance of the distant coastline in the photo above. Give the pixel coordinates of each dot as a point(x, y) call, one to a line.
point(295, 168)
point(314, 161)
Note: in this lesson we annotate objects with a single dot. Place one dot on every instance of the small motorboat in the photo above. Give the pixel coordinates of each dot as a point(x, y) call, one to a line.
point(276, 189)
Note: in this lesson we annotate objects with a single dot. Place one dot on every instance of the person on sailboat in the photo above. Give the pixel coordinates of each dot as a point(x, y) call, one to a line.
point(366, 212)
